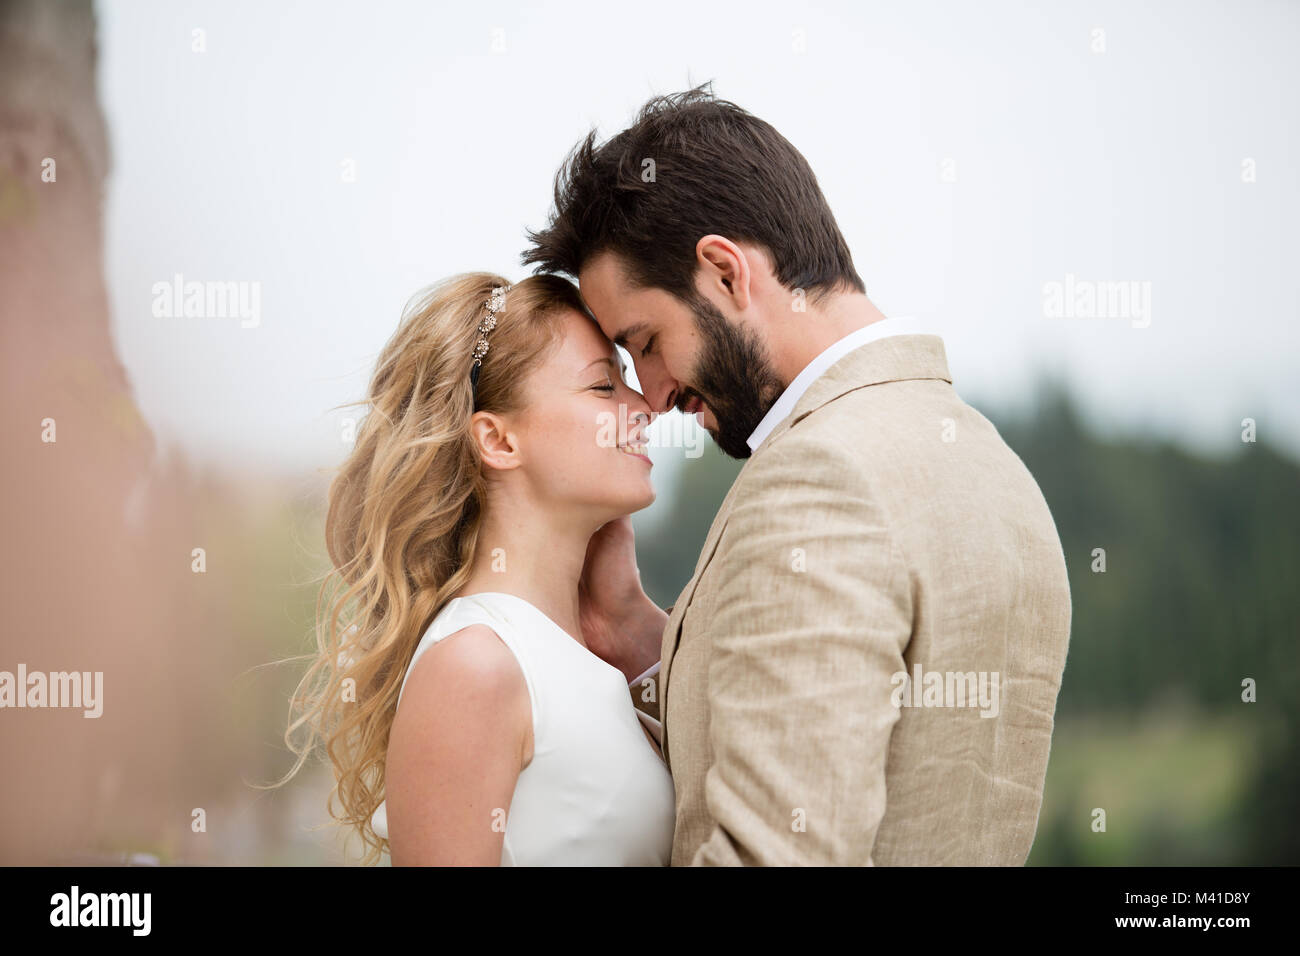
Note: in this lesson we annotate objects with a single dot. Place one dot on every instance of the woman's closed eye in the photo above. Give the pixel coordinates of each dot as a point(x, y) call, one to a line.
point(649, 342)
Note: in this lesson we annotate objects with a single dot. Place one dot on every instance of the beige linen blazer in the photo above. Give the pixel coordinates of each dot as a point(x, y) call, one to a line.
point(883, 529)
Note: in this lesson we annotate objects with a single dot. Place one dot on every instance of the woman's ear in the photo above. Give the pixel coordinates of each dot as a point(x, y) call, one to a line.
point(724, 268)
point(497, 446)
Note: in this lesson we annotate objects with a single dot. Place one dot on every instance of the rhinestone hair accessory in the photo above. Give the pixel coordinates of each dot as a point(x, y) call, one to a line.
point(494, 305)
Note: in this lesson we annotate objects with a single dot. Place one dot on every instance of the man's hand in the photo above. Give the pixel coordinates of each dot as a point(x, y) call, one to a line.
point(620, 624)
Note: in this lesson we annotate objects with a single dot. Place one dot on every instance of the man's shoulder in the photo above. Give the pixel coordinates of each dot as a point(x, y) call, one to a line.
point(862, 419)
point(903, 438)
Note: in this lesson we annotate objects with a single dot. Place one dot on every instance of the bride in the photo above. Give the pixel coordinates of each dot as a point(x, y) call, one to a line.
point(461, 689)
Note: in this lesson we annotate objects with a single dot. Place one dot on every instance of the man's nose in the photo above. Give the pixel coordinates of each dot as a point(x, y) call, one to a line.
point(658, 389)
point(669, 397)
point(664, 390)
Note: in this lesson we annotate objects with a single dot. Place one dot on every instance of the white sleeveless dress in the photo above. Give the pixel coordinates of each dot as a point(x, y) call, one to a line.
point(595, 792)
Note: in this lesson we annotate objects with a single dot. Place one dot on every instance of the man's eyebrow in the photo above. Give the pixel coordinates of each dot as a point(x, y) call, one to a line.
point(635, 329)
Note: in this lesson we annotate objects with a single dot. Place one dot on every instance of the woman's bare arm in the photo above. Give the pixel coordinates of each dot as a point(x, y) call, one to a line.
point(461, 736)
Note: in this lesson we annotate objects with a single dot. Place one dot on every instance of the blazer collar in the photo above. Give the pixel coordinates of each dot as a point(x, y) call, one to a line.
point(897, 358)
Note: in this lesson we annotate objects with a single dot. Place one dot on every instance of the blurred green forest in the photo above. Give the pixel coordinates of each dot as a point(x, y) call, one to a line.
point(1199, 593)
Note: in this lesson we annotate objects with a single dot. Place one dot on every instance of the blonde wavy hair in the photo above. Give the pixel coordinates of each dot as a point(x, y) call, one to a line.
point(404, 515)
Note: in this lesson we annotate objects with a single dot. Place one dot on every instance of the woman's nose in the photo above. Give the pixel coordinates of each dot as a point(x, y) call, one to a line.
point(640, 414)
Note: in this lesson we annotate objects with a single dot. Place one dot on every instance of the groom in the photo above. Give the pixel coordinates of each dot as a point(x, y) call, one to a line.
point(863, 668)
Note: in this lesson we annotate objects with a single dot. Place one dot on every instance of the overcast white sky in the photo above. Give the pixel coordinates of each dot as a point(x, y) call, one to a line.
point(1117, 165)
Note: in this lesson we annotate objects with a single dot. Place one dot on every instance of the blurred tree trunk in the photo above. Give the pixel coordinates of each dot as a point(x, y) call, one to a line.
point(95, 563)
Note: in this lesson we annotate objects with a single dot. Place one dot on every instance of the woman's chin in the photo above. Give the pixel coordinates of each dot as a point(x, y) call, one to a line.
point(641, 499)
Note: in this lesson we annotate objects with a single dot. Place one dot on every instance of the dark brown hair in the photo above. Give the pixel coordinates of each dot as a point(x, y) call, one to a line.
point(690, 165)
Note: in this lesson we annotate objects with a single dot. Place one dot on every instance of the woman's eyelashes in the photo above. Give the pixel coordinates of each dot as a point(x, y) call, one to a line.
point(649, 342)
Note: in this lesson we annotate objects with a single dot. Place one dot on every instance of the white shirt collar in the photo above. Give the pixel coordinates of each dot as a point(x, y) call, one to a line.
point(784, 405)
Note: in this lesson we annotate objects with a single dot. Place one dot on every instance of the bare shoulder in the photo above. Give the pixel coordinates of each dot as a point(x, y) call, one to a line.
point(474, 655)
point(470, 683)
point(462, 733)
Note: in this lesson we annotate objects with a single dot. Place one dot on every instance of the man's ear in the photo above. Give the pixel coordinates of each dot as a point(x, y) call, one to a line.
point(725, 269)
point(497, 446)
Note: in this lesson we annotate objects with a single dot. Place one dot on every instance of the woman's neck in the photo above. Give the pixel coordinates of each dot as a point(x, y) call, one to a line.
point(534, 555)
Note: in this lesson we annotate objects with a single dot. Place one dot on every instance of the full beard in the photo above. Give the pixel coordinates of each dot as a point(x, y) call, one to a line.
point(734, 377)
